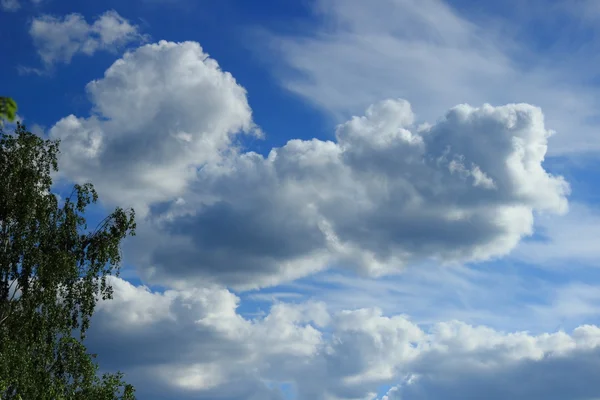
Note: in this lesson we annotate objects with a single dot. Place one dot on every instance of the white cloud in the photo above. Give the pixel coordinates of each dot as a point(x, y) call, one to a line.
point(467, 362)
point(14, 5)
point(159, 113)
point(10, 5)
point(425, 51)
point(195, 344)
point(201, 345)
point(58, 39)
point(384, 195)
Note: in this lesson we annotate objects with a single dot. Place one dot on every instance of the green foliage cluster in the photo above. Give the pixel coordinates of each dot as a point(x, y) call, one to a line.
point(8, 109)
point(53, 270)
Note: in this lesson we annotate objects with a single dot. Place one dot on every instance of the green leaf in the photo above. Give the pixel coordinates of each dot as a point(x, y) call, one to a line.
point(8, 109)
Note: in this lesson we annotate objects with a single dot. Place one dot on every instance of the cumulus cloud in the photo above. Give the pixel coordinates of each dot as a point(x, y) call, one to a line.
point(159, 113)
point(515, 366)
point(202, 345)
point(384, 195)
point(196, 344)
point(58, 39)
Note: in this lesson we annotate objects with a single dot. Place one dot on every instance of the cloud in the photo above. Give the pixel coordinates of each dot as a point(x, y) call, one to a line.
point(196, 344)
point(159, 113)
point(426, 51)
point(10, 5)
point(569, 239)
point(14, 5)
point(573, 301)
point(515, 366)
point(202, 346)
point(58, 39)
point(488, 294)
point(386, 194)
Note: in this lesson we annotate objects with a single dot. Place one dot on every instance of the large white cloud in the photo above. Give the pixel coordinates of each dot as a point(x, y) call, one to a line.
point(384, 195)
point(159, 113)
point(196, 344)
point(58, 39)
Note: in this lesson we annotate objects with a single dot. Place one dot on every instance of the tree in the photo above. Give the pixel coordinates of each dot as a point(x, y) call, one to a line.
point(8, 109)
point(53, 270)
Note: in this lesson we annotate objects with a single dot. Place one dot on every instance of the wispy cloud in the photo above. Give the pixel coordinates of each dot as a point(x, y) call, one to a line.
point(430, 54)
point(504, 296)
point(564, 242)
point(10, 5)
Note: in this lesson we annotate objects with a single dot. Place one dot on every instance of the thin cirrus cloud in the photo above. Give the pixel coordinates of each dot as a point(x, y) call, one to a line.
point(59, 39)
point(426, 51)
point(385, 194)
point(568, 239)
point(10, 5)
point(14, 5)
point(195, 344)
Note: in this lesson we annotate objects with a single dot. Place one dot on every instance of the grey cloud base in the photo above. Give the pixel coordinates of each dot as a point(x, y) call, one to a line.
point(385, 194)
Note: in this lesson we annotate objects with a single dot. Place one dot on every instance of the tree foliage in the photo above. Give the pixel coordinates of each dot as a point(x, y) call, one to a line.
point(8, 109)
point(53, 270)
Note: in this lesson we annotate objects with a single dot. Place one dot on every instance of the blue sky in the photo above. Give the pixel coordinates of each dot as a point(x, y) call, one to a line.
point(336, 199)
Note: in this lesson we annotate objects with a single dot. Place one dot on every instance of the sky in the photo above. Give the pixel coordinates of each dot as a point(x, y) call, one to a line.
point(335, 199)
